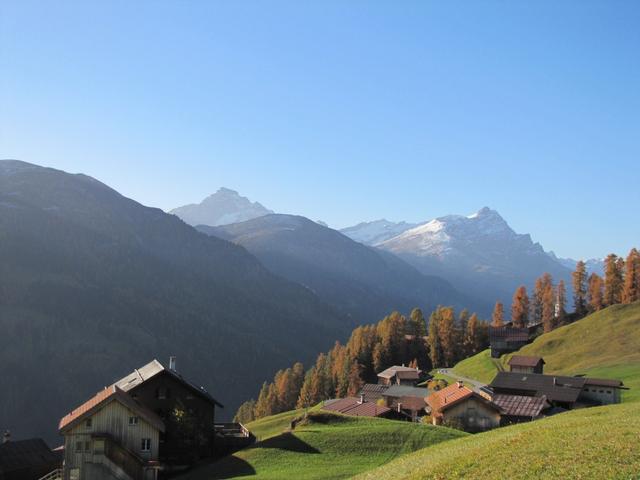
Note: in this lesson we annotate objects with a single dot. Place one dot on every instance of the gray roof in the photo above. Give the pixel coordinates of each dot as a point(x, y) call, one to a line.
point(392, 371)
point(372, 391)
point(554, 387)
point(17, 455)
point(520, 406)
point(406, 391)
point(153, 368)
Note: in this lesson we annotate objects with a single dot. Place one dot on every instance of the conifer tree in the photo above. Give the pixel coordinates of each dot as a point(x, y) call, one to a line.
point(472, 338)
point(497, 319)
point(447, 331)
point(538, 296)
point(262, 407)
point(305, 399)
point(520, 307)
point(631, 290)
point(579, 280)
point(418, 326)
point(435, 347)
point(613, 281)
point(245, 412)
point(596, 293)
point(548, 308)
point(355, 381)
point(561, 302)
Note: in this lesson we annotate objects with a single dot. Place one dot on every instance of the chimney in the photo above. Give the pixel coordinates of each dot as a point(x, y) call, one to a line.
point(460, 384)
point(6, 438)
point(172, 363)
point(361, 398)
point(399, 407)
point(555, 381)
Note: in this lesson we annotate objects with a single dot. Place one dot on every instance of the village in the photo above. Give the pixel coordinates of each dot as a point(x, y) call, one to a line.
point(154, 423)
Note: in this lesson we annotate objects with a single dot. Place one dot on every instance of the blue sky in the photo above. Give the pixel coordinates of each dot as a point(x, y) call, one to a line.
point(341, 111)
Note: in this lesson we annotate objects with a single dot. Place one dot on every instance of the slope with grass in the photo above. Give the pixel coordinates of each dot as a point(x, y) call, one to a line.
point(600, 442)
point(604, 344)
point(327, 446)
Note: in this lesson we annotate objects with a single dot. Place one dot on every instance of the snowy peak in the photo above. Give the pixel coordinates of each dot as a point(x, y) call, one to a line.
point(377, 231)
point(224, 207)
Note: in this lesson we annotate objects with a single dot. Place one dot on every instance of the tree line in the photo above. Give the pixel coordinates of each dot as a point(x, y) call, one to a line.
point(395, 340)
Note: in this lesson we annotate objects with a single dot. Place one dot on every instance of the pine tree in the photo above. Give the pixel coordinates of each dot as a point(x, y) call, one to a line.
point(461, 333)
point(520, 308)
point(612, 280)
point(355, 381)
point(262, 407)
point(497, 319)
point(548, 308)
point(418, 326)
point(631, 290)
point(538, 296)
point(447, 331)
point(245, 412)
point(579, 279)
point(435, 347)
point(305, 399)
point(561, 302)
point(596, 294)
point(472, 338)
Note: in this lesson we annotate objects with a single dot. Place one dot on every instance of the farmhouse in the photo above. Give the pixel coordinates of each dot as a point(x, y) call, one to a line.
point(111, 436)
point(406, 399)
point(461, 407)
point(399, 375)
point(372, 392)
point(526, 364)
point(518, 408)
point(507, 339)
point(356, 407)
point(560, 391)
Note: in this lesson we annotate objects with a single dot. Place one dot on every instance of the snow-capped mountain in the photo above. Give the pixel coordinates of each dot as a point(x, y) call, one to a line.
point(594, 265)
point(372, 233)
point(222, 208)
point(479, 254)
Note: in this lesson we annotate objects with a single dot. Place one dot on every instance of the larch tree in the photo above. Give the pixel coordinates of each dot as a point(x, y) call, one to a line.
point(596, 292)
point(447, 331)
point(613, 281)
point(540, 288)
point(631, 290)
point(418, 325)
point(435, 347)
point(520, 307)
point(497, 319)
point(548, 308)
point(579, 280)
point(561, 302)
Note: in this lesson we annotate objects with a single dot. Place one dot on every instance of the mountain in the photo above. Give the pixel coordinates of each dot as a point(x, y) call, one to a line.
point(363, 282)
point(479, 254)
point(93, 284)
point(372, 233)
point(594, 265)
point(222, 208)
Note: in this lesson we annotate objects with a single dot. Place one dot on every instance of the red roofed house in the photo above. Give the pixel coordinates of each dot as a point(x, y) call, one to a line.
point(111, 436)
point(461, 407)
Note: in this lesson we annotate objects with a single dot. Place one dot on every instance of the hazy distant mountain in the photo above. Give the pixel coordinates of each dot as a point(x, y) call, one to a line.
point(222, 208)
point(479, 254)
point(93, 284)
point(594, 265)
point(360, 281)
point(372, 233)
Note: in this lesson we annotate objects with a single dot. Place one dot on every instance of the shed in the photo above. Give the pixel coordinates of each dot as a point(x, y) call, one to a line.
point(526, 364)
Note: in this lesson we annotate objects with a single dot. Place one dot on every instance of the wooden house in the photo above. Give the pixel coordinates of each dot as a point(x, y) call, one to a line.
point(507, 339)
point(111, 436)
point(518, 408)
point(356, 407)
point(188, 410)
point(460, 407)
point(526, 364)
point(399, 375)
point(26, 459)
point(406, 400)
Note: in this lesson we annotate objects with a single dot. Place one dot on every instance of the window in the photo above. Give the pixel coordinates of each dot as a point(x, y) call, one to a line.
point(83, 446)
point(146, 445)
point(79, 446)
point(88, 422)
point(133, 421)
point(87, 446)
point(161, 393)
point(609, 391)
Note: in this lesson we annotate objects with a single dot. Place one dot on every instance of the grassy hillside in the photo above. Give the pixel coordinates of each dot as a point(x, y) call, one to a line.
point(591, 443)
point(328, 447)
point(268, 427)
point(604, 344)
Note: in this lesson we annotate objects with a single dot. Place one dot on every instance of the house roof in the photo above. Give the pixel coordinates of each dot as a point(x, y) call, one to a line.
point(153, 368)
point(407, 373)
point(352, 406)
point(520, 406)
point(554, 387)
point(103, 398)
point(17, 455)
point(406, 391)
point(604, 382)
point(525, 361)
point(441, 400)
point(372, 391)
point(509, 334)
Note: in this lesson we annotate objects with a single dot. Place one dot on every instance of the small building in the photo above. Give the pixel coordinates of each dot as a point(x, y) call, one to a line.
point(356, 407)
point(399, 375)
point(26, 459)
point(507, 339)
point(518, 408)
point(111, 436)
point(602, 391)
point(372, 392)
point(460, 407)
point(406, 400)
point(526, 364)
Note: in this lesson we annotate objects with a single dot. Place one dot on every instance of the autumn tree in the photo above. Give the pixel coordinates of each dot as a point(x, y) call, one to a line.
point(245, 412)
point(417, 324)
point(579, 280)
point(596, 292)
point(538, 296)
point(548, 308)
point(631, 290)
point(497, 319)
point(613, 282)
point(520, 307)
point(447, 331)
point(435, 346)
point(355, 381)
point(561, 302)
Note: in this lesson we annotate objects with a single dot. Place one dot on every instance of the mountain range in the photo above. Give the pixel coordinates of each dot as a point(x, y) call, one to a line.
point(93, 284)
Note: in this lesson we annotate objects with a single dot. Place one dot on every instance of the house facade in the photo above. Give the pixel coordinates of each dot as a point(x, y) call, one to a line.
point(399, 375)
point(460, 407)
point(111, 436)
point(526, 364)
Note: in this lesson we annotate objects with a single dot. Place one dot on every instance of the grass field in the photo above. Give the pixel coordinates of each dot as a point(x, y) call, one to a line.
point(600, 442)
point(480, 367)
point(268, 427)
point(328, 447)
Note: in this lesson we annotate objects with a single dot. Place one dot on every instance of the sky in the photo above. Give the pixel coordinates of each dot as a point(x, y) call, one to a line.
point(341, 111)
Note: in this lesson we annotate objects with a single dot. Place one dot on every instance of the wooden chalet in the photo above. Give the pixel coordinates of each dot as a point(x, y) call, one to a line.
point(526, 364)
point(460, 407)
point(518, 408)
point(26, 459)
point(356, 407)
point(508, 339)
point(406, 400)
point(399, 375)
point(372, 392)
